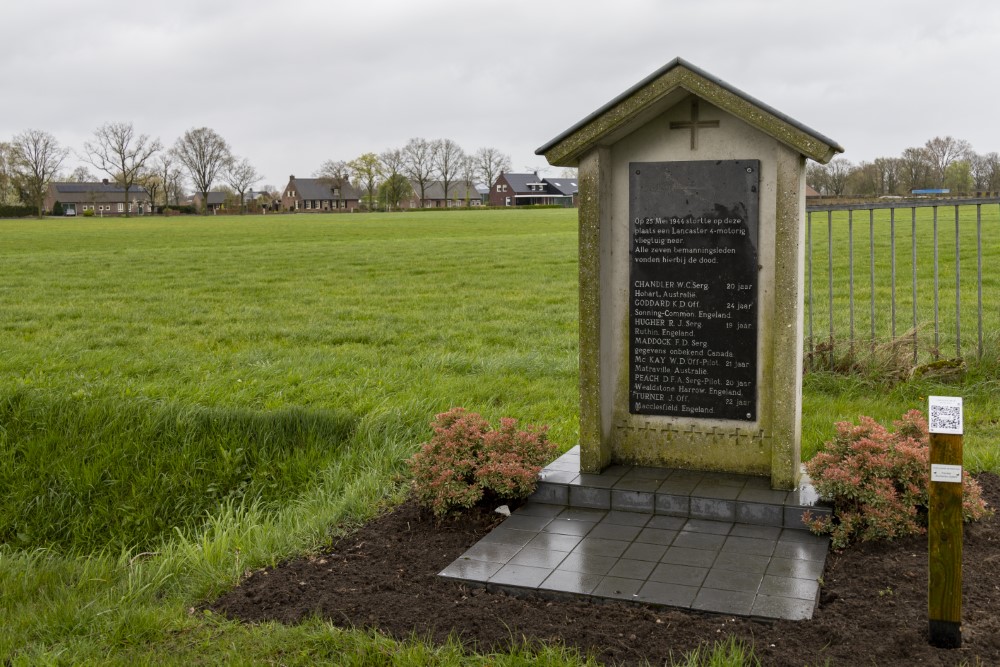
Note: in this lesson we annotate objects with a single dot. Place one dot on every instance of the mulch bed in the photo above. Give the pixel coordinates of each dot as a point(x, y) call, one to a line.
point(873, 609)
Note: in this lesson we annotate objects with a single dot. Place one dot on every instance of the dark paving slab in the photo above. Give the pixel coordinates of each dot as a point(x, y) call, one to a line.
point(708, 541)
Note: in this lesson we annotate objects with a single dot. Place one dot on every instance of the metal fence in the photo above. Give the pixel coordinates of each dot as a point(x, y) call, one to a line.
point(889, 276)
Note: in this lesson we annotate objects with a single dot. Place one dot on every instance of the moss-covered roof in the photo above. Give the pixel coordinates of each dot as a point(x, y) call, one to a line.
point(665, 88)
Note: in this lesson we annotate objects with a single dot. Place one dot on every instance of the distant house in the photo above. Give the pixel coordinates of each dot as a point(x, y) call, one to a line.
point(216, 201)
point(811, 192)
point(316, 195)
point(529, 189)
point(459, 192)
point(103, 198)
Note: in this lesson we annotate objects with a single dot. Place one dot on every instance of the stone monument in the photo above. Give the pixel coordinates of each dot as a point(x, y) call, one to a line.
point(692, 202)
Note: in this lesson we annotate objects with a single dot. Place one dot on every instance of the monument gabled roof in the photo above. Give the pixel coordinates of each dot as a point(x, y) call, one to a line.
point(665, 88)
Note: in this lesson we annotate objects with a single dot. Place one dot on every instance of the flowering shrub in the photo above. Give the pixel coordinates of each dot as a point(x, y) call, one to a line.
point(878, 481)
point(466, 458)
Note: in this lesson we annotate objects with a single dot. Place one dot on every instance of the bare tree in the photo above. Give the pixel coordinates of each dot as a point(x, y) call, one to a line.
point(36, 157)
point(568, 172)
point(838, 169)
point(81, 175)
point(334, 171)
point(152, 183)
point(419, 165)
point(367, 171)
point(121, 154)
point(915, 167)
point(491, 164)
point(470, 172)
point(394, 184)
point(943, 151)
point(206, 156)
point(986, 171)
point(170, 177)
point(8, 193)
point(448, 157)
point(242, 176)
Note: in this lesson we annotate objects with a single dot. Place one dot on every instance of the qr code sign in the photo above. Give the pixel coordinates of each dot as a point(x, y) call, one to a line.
point(945, 414)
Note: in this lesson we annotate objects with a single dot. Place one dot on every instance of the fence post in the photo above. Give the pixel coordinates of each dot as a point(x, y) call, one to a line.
point(944, 522)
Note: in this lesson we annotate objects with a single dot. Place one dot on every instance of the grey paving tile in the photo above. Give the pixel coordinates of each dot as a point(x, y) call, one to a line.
point(597, 546)
point(558, 476)
point(616, 470)
point(678, 487)
point(760, 532)
point(793, 567)
point(588, 496)
point(699, 541)
point(731, 560)
point(656, 536)
point(713, 508)
point(760, 514)
point(733, 580)
point(556, 494)
point(494, 552)
point(588, 563)
point(749, 545)
point(672, 573)
point(638, 484)
point(525, 522)
point(764, 496)
point(801, 550)
point(716, 491)
point(675, 505)
point(471, 570)
point(705, 526)
point(642, 551)
point(633, 501)
point(568, 527)
point(618, 587)
point(567, 464)
point(792, 609)
point(627, 518)
point(724, 602)
point(649, 472)
point(667, 522)
point(581, 514)
point(788, 587)
point(523, 576)
point(571, 582)
point(675, 595)
point(758, 483)
point(596, 481)
point(613, 531)
point(538, 557)
point(538, 509)
point(632, 569)
point(695, 557)
point(687, 475)
point(503, 535)
point(554, 541)
point(792, 535)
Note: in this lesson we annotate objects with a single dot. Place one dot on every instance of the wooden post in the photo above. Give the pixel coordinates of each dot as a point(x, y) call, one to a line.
point(944, 530)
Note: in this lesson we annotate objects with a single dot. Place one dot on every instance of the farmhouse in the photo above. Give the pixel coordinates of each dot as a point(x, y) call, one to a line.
point(315, 195)
point(528, 189)
point(460, 193)
point(216, 201)
point(103, 198)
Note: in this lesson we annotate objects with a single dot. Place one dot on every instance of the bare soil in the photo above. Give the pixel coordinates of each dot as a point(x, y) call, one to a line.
point(873, 608)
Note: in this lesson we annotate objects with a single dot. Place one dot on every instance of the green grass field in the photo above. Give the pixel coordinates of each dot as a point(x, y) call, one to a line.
point(183, 399)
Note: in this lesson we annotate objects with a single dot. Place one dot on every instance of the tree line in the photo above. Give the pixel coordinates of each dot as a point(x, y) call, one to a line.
point(941, 163)
point(385, 179)
point(31, 161)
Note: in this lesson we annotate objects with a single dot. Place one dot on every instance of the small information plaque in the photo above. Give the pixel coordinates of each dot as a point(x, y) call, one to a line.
point(942, 472)
point(944, 414)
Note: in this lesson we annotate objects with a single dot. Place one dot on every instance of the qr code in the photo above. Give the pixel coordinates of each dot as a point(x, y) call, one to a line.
point(945, 418)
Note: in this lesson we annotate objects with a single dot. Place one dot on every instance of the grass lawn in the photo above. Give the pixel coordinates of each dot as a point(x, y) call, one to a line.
point(183, 399)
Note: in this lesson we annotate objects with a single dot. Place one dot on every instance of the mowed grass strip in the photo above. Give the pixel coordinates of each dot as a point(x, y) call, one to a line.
point(153, 368)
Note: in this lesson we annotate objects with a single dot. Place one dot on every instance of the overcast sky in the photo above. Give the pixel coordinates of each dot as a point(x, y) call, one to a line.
point(292, 83)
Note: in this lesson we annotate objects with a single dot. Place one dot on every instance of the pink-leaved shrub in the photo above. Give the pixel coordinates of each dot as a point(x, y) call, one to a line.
point(466, 458)
point(878, 481)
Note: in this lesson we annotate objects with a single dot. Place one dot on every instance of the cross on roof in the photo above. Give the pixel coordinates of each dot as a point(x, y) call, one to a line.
point(694, 123)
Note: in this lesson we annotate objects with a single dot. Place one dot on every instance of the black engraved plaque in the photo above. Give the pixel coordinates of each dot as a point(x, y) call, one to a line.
point(693, 289)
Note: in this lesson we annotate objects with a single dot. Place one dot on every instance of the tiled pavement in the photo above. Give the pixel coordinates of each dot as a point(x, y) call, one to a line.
point(719, 543)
